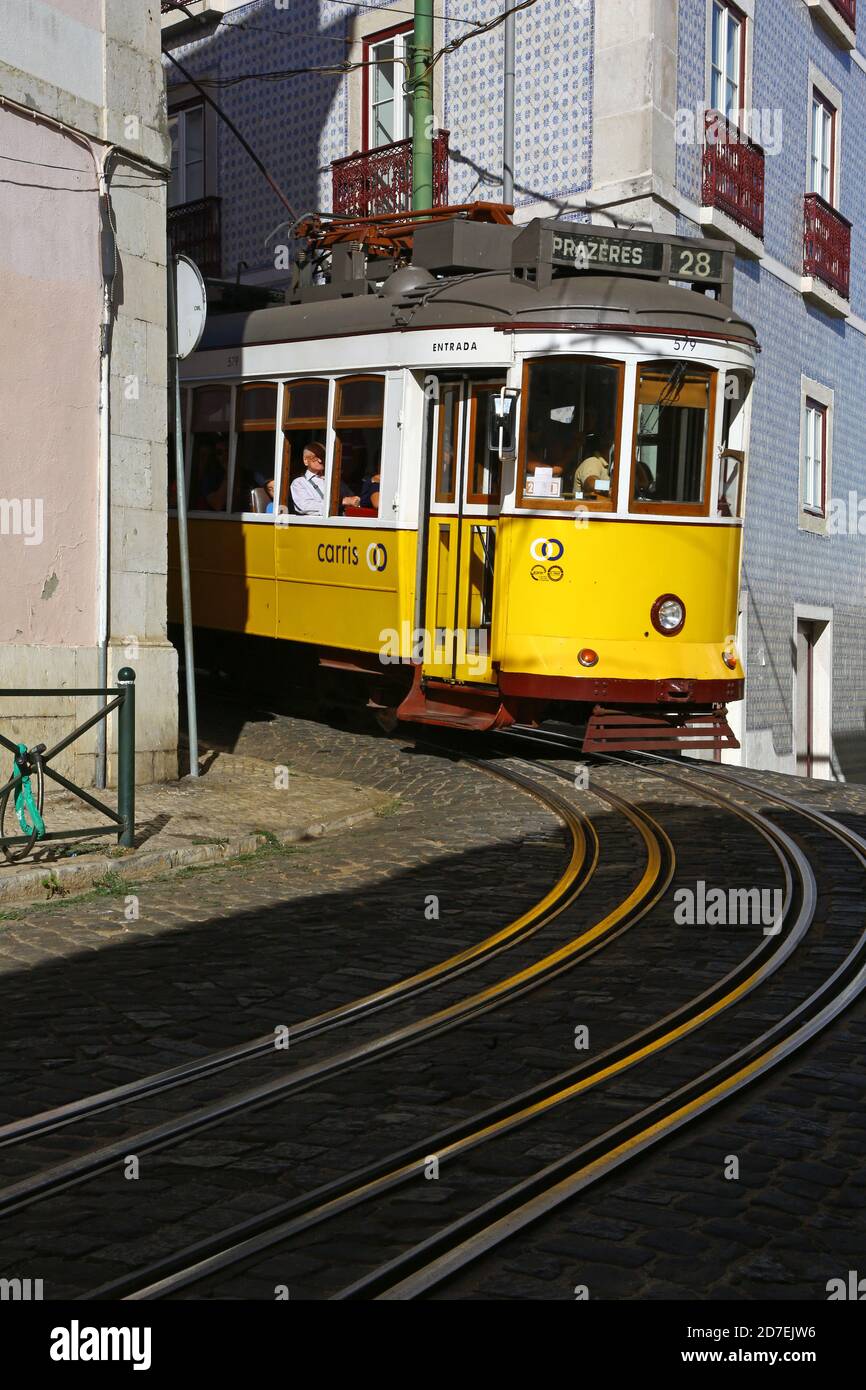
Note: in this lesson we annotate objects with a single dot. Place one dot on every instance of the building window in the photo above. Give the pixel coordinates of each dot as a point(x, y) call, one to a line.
point(823, 153)
point(388, 108)
point(814, 470)
point(727, 61)
point(186, 128)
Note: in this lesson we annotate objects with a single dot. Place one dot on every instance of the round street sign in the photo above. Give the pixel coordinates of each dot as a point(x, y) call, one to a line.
point(191, 306)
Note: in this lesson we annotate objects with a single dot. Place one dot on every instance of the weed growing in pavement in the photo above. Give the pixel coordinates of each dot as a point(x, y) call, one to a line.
point(53, 887)
point(111, 885)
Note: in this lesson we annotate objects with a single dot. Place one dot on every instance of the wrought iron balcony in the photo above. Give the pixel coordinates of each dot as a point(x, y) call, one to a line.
point(847, 9)
point(733, 174)
point(380, 181)
point(826, 244)
point(194, 230)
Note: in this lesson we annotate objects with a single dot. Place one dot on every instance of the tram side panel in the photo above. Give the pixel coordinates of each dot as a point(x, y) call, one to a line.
point(344, 587)
point(232, 575)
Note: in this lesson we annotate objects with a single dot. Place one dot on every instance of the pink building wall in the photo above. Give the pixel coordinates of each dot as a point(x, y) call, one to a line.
point(50, 305)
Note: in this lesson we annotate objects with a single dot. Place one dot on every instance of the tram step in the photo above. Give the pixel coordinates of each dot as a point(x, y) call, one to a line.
point(453, 706)
point(646, 730)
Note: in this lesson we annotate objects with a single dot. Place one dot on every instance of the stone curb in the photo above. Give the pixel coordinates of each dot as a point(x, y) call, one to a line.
point(29, 885)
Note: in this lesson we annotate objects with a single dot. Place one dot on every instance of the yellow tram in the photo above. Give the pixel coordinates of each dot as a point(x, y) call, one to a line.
point(528, 448)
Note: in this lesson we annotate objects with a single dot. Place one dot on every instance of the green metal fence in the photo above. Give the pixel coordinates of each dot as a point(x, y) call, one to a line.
point(36, 763)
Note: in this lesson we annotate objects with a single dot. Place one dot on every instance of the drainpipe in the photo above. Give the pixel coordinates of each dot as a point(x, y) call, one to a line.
point(422, 106)
point(108, 255)
point(508, 110)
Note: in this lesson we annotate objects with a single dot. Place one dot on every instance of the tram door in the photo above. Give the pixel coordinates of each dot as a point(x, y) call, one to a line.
point(461, 540)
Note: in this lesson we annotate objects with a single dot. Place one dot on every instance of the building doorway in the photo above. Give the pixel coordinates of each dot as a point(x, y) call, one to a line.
point(812, 694)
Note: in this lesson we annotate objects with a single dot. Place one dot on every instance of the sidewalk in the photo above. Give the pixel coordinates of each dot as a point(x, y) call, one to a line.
point(233, 808)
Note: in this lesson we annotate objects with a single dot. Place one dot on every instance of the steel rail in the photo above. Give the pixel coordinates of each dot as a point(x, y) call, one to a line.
point(270, 1228)
point(81, 1167)
point(583, 861)
point(439, 1257)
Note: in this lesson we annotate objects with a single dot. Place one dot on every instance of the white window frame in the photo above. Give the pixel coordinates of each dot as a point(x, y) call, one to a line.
point(831, 96)
point(402, 107)
point(718, 71)
point(179, 119)
point(812, 514)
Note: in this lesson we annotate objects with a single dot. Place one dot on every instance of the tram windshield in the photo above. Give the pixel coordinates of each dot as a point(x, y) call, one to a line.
point(672, 455)
point(570, 434)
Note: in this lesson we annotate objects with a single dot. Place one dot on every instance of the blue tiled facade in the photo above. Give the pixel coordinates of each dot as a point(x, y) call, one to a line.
point(785, 565)
point(300, 124)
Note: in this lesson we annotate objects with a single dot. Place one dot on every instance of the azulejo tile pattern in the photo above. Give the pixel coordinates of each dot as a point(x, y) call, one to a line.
point(553, 103)
point(297, 125)
point(300, 123)
point(784, 565)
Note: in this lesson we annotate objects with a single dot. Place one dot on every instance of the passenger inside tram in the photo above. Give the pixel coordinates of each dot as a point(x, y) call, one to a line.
point(308, 489)
point(592, 476)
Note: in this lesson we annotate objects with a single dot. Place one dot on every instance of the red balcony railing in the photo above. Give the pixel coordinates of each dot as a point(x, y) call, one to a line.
point(194, 230)
point(847, 9)
point(733, 174)
point(826, 244)
point(380, 181)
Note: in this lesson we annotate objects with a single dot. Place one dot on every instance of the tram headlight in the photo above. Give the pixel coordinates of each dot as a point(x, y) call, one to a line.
point(668, 615)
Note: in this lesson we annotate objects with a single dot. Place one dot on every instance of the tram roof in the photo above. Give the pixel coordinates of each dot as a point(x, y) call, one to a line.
point(413, 299)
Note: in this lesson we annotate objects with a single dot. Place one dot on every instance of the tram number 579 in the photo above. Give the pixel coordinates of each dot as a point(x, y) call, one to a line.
point(685, 344)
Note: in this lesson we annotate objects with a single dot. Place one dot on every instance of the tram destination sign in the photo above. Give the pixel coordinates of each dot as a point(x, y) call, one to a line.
point(592, 251)
point(544, 246)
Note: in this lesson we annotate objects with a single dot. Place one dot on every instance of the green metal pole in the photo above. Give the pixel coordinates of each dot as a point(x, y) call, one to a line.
point(126, 758)
point(422, 106)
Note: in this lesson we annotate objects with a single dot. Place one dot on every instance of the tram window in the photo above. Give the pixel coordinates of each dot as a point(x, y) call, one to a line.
point(732, 457)
point(358, 446)
point(570, 432)
point(672, 436)
point(209, 448)
point(484, 463)
point(305, 422)
point(446, 460)
point(254, 454)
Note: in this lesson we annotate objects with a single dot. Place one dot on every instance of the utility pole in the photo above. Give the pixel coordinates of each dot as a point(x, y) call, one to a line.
point(508, 112)
point(422, 106)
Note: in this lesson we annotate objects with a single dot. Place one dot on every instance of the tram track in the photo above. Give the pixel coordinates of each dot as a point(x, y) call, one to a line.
point(425, 1265)
point(325, 1203)
point(583, 861)
point(651, 885)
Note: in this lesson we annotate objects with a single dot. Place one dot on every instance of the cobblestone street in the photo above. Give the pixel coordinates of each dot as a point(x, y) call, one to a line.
point(228, 952)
